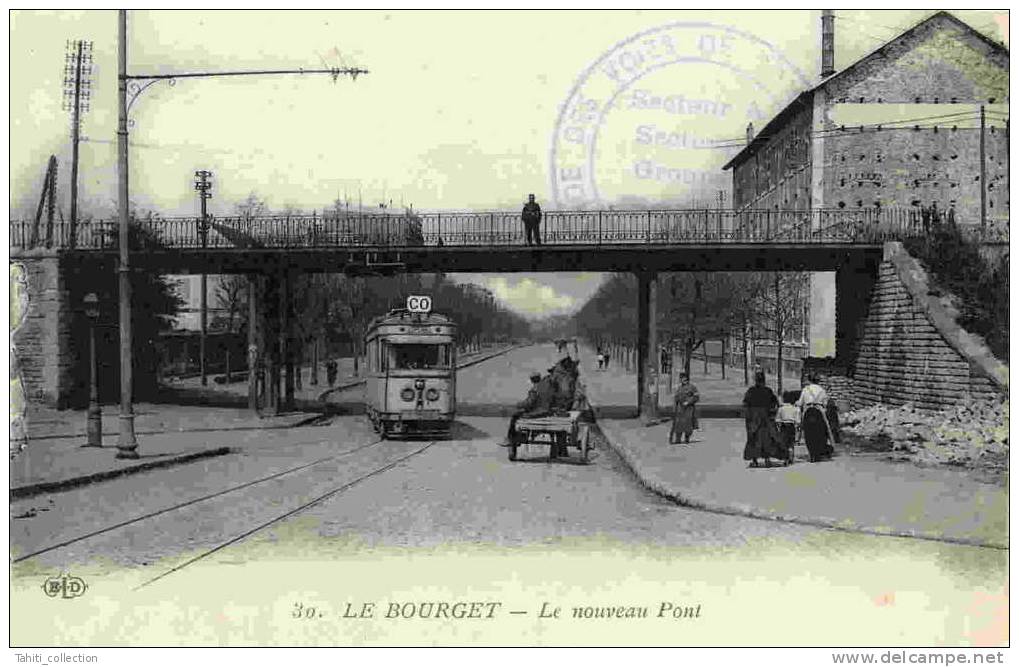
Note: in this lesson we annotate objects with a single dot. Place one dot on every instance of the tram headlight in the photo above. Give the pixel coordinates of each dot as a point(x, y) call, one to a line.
point(407, 394)
point(432, 394)
point(419, 384)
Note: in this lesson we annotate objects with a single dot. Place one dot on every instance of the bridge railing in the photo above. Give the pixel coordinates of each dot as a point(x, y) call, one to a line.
point(488, 229)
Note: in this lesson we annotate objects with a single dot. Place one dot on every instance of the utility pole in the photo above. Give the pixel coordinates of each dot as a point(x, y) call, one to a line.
point(77, 91)
point(983, 173)
point(127, 445)
point(204, 189)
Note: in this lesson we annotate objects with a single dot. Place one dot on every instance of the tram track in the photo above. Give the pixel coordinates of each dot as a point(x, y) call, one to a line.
point(286, 515)
point(195, 501)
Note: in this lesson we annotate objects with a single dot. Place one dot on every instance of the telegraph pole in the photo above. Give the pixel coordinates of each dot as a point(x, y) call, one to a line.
point(983, 173)
point(127, 445)
point(77, 91)
point(204, 189)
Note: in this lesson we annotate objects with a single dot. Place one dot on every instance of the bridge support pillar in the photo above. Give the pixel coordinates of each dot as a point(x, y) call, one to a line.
point(854, 283)
point(647, 346)
point(254, 341)
point(270, 336)
point(286, 342)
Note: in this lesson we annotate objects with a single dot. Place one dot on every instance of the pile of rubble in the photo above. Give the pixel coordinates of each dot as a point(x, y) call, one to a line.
point(972, 435)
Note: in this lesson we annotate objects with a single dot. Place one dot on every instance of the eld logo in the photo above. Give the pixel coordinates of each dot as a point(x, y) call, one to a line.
point(64, 586)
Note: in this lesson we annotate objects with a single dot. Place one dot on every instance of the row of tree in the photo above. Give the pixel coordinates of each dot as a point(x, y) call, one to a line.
point(695, 307)
point(332, 312)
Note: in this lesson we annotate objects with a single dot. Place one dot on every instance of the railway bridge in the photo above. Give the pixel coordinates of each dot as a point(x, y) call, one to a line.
point(62, 264)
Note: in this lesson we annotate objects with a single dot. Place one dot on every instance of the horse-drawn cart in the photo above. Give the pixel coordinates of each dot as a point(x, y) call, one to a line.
point(555, 432)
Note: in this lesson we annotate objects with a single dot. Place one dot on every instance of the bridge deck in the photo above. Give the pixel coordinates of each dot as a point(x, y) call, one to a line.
point(572, 240)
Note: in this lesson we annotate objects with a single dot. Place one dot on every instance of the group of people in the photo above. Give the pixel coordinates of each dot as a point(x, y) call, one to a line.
point(555, 392)
point(603, 359)
point(773, 428)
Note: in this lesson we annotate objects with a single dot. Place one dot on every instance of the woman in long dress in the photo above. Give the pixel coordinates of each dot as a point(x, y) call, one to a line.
point(813, 404)
point(760, 406)
point(684, 416)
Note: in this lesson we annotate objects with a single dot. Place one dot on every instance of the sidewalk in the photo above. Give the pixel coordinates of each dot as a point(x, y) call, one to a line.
point(308, 392)
point(618, 388)
point(861, 493)
point(54, 458)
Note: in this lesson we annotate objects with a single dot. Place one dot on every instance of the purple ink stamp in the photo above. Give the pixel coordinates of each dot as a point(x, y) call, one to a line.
point(656, 117)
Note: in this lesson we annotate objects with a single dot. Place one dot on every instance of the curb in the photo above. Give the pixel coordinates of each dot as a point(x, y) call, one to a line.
point(39, 488)
point(659, 487)
point(306, 421)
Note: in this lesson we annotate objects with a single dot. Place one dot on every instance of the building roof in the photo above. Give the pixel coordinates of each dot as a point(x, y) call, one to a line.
point(806, 97)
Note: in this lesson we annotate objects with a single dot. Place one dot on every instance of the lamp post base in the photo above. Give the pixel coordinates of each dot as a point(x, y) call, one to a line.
point(127, 447)
point(94, 428)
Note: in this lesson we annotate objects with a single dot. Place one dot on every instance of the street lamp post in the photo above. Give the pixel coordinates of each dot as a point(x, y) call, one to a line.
point(127, 444)
point(94, 427)
point(204, 189)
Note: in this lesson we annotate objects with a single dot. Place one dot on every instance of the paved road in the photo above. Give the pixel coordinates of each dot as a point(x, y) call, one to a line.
point(396, 494)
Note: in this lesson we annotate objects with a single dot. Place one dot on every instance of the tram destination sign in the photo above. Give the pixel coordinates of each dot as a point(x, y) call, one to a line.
point(419, 304)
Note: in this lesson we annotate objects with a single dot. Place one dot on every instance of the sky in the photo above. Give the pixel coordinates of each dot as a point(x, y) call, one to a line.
point(460, 110)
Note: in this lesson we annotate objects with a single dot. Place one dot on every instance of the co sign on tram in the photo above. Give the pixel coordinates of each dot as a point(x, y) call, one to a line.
point(419, 304)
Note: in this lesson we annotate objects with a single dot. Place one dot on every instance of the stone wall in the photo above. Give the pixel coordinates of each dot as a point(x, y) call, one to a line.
point(831, 375)
point(42, 344)
point(913, 351)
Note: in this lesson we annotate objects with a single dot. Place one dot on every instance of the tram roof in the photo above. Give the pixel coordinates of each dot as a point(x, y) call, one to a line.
point(404, 316)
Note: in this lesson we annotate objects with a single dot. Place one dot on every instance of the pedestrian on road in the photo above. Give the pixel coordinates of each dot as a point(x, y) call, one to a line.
point(684, 416)
point(601, 359)
point(788, 421)
point(760, 405)
point(531, 216)
point(607, 355)
point(813, 405)
point(331, 372)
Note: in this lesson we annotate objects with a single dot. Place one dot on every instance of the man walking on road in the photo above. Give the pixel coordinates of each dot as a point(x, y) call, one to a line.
point(531, 216)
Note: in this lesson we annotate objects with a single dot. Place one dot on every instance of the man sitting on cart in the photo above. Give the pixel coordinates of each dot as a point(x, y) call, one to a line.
point(537, 404)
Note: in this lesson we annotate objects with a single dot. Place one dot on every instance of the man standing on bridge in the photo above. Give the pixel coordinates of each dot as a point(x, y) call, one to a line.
point(531, 216)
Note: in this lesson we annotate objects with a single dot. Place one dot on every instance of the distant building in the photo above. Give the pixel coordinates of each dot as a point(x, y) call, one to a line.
point(899, 127)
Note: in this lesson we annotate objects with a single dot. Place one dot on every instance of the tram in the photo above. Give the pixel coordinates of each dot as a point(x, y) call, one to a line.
point(411, 373)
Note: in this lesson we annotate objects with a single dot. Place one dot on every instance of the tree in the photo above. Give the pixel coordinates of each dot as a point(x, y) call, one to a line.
point(693, 308)
point(232, 296)
point(155, 305)
point(780, 312)
point(743, 312)
point(252, 206)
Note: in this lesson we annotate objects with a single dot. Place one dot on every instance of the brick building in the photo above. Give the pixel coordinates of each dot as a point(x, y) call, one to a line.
point(901, 127)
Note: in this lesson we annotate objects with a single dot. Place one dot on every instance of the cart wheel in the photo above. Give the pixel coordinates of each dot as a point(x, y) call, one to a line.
point(513, 452)
point(584, 446)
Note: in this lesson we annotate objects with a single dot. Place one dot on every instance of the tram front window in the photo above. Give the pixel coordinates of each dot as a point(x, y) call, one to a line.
point(418, 356)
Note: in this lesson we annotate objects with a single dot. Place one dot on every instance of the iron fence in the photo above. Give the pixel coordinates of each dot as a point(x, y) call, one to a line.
point(492, 229)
